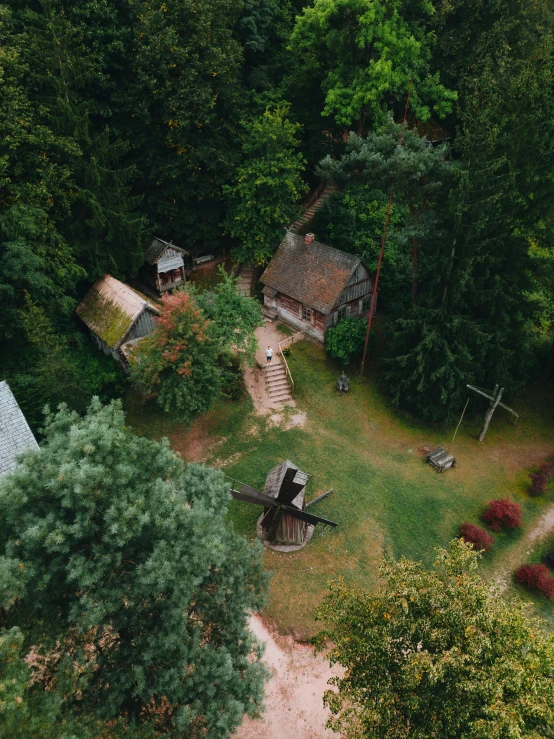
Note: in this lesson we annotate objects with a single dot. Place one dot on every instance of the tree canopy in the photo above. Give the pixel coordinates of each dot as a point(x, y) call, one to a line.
point(118, 566)
point(437, 653)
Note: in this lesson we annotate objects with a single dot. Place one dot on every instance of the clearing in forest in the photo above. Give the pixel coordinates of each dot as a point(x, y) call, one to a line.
point(387, 501)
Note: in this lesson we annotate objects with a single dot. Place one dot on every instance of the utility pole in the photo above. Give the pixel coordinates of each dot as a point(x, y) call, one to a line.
point(494, 397)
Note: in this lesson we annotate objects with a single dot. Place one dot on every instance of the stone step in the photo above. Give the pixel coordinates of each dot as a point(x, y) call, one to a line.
point(281, 398)
point(281, 382)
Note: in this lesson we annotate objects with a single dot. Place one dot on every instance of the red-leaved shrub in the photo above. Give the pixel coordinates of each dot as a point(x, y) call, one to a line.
point(537, 578)
point(540, 479)
point(502, 514)
point(477, 536)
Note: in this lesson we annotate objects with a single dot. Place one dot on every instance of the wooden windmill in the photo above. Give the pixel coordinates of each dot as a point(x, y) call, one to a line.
point(285, 520)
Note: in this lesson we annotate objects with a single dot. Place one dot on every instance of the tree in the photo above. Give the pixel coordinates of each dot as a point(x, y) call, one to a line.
point(234, 317)
point(437, 654)
point(262, 200)
point(181, 112)
point(346, 340)
point(422, 177)
point(179, 360)
point(118, 566)
point(364, 54)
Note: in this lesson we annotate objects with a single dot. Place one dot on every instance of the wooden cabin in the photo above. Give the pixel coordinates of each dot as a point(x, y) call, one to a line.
point(312, 286)
point(164, 266)
point(117, 316)
point(15, 435)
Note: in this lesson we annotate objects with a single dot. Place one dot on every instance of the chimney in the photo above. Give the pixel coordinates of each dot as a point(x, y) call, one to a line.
point(308, 239)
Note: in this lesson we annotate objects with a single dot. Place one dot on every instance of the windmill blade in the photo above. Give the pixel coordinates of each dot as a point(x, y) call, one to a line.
point(289, 489)
point(251, 495)
point(308, 517)
point(273, 525)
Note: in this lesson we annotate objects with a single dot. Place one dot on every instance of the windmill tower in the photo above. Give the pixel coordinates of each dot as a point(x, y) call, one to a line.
point(285, 521)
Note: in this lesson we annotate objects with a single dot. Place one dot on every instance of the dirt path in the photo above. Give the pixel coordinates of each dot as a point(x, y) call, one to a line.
point(520, 553)
point(279, 413)
point(294, 695)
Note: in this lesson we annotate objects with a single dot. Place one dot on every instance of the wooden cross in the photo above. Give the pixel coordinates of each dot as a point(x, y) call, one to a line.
point(494, 398)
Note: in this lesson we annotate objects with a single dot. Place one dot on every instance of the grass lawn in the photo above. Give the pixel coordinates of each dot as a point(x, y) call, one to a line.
point(387, 501)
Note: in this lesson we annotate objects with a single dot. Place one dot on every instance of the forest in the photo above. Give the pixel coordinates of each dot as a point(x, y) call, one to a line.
point(208, 122)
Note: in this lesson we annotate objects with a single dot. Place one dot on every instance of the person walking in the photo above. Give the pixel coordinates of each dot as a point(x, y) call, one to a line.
point(269, 355)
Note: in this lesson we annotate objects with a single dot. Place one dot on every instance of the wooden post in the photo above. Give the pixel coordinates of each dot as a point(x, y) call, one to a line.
point(488, 415)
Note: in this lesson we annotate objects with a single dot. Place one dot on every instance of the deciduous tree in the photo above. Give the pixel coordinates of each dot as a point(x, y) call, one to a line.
point(437, 653)
point(364, 53)
point(268, 184)
point(179, 360)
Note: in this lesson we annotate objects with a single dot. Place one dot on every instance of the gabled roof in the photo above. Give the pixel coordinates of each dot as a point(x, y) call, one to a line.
point(15, 434)
point(153, 252)
point(314, 274)
point(110, 308)
point(275, 477)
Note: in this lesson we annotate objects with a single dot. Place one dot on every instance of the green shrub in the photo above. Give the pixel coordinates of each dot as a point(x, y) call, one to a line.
point(345, 341)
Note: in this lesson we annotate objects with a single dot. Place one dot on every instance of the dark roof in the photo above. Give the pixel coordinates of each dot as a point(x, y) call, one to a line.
point(153, 252)
point(15, 434)
point(110, 308)
point(275, 477)
point(314, 274)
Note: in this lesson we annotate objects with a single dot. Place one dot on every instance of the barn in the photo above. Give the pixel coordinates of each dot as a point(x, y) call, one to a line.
point(15, 435)
point(164, 265)
point(312, 286)
point(117, 317)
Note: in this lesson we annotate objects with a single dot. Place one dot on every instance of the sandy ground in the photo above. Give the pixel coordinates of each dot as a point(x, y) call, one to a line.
point(294, 695)
point(520, 554)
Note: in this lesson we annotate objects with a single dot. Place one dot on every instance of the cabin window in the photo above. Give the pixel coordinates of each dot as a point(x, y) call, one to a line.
point(366, 303)
point(343, 312)
point(306, 313)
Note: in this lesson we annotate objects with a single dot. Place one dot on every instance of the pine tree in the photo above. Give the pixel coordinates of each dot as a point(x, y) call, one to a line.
point(118, 565)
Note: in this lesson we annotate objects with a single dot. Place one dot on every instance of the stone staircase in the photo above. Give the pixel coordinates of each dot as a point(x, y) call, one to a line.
point(312, 205)
point(276, 382)
point(245, 280)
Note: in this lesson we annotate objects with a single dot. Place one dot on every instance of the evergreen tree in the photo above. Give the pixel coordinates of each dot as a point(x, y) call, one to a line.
point(182, 110)
point(262, 200)
point(421, 176)
point(117, 564)
point(437, 654)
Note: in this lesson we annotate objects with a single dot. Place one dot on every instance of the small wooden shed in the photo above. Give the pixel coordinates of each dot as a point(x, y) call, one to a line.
point(117, 316)
point(312, 286)
point(164, 265)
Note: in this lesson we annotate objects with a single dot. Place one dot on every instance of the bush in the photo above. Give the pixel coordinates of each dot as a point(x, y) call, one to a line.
point(502, 514)
point(477, 536)
point(548, 559)
point(346, 340)
point(541, 479)
point(537, 578)
point(232, 377)
point(287, 351)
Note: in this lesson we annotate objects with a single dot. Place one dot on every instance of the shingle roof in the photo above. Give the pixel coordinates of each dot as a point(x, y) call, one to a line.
point(153, 252)
point(15, 434)
point(314, 274)
point(110, 308)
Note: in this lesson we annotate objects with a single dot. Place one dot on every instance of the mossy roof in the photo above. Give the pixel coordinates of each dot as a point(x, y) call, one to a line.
point(110, 308)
